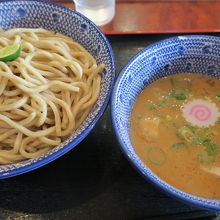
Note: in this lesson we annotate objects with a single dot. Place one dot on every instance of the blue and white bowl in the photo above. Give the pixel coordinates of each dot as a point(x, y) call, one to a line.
point(36, 13)
point(195, 54)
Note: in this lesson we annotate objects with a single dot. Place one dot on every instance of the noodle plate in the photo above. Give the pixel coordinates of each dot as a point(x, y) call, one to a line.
point(45, 94)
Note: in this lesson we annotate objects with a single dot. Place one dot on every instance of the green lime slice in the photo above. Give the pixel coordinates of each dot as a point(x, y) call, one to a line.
point(10, 53)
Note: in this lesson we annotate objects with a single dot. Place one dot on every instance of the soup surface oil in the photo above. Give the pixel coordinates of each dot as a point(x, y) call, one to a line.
point(175, 127)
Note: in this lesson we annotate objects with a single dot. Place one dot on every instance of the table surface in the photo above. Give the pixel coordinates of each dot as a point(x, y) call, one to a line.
point(94, 180)
point(161, 16)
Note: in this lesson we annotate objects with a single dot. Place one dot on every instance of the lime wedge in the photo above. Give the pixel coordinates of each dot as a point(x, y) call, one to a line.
point(10, 53)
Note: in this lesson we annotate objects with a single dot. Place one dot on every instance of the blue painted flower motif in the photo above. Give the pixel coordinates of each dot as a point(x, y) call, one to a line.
point(153, 60)
point(166, 67)
point(206, 49)
point(130, 102)
point(130, 78)
point(212, 69)
point(181, 49)
point(145, 81)
point(188, 67)
point(21, 12)
point(98, 50)
point(121, 98)
point(55, 17)
point(83, 28)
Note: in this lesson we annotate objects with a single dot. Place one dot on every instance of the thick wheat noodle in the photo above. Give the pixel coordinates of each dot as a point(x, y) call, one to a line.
point(12, 116)
point(17, 143)
point(57, 65)
point(22, 69)
point(45, 94)
point(20, 112)
point(14, 105)
point(50, 69)
point(14, 92)
point(26, 121)
point(56, 116)
point(3, 85)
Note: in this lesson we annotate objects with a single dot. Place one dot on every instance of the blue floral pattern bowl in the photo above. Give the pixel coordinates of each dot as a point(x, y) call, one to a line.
point(195, 54)
point(37, 13)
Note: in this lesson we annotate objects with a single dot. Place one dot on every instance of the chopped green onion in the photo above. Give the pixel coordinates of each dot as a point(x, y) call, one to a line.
point(217, 96)
point(151, 106)
point(196, 136)
point(178, 133)
point(211, 148)
point(179, 96)
point(160, 104)
point(186, 134)
point(205, 159)
point(210, 153)
point(156, 156)
point(200, 140)
point(193, 129)
point(163, 101)
point(180, 88)
point(179, 145)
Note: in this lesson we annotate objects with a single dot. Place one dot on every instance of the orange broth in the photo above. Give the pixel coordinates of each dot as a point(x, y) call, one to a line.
point(184, 155)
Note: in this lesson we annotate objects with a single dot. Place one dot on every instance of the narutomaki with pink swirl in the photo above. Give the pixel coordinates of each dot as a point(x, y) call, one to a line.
point(200, 113)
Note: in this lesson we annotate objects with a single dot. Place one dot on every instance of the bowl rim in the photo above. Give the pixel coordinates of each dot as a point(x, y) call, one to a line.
point(81, 136)
point(153, 178)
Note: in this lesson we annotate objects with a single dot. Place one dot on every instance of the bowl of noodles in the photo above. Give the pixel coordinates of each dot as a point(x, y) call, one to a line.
point(57, 71)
